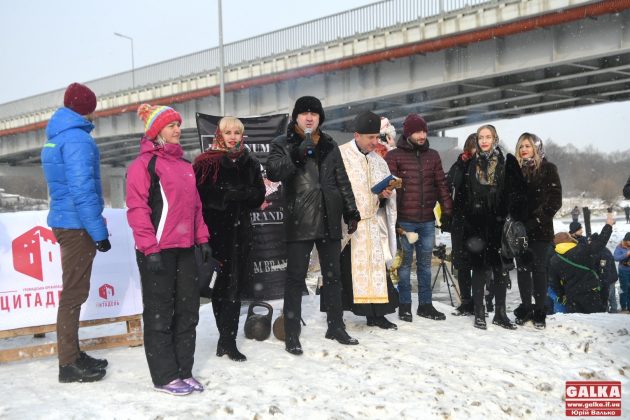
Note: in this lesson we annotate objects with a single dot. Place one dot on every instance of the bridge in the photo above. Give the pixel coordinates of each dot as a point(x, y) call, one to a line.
point(455, 62)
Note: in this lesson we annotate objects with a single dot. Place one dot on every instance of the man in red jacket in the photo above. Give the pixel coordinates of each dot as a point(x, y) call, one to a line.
point(423, 184)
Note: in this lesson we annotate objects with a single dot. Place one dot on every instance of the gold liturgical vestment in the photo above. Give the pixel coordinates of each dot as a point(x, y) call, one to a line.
point(373, 245)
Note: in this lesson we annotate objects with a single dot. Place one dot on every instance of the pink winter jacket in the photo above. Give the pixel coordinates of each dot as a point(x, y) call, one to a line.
point(174, 219)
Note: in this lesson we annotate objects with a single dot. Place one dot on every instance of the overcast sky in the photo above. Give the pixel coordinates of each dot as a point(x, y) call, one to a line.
point(47, 44)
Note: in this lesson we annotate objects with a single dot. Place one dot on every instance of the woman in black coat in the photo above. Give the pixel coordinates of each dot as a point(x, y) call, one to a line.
point(455, 180)
point(544, 199)
point(230, 185)
point(493, 188)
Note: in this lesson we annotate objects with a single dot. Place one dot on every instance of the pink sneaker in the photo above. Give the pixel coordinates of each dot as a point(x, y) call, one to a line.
point(176, 387)
point(195, 384)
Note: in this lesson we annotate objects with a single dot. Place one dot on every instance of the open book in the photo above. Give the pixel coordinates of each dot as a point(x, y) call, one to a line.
point(390, 182)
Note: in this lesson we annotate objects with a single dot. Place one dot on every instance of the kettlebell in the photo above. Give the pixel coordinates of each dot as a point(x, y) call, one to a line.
point(258, 327)
point(278, 327)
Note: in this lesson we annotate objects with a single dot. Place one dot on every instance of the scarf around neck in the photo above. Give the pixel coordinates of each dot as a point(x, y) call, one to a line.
point(487, 166)
point(208, 163)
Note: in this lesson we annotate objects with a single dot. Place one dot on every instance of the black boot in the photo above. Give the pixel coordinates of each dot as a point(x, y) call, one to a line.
point(228, 346)
point(79, 372)
point(523, 313)
point(501, 319)
point(466, 308)
point(381, 322)
point(428, 311)
point(480, 318)
point(227, 315)
point(539, 319)
point(489, 305)
point(292, 345)
point(341, 336)
point(404, 312)
point(92, 362)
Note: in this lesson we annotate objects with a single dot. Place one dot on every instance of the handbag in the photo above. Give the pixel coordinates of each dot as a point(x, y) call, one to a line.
point(514, 239)
point(207, 273)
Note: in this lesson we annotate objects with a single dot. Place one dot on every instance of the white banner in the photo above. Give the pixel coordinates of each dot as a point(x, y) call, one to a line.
point(30, 272)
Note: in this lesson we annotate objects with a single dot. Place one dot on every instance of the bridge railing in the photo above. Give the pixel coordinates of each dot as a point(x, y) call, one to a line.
point(387, 13)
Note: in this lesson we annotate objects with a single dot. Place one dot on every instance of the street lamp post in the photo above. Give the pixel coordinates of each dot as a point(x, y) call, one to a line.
point(221, 63)
point(133, 66)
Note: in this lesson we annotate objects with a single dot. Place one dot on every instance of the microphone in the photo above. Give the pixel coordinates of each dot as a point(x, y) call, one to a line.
point(310, 150)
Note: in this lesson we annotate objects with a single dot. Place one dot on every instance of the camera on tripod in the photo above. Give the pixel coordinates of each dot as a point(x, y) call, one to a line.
point(440, 251)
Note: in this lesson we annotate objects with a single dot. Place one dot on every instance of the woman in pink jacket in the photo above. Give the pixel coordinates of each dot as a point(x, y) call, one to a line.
point(164, 212)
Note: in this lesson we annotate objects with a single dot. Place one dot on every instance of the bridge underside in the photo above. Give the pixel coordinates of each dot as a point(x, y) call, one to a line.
point(566, 66)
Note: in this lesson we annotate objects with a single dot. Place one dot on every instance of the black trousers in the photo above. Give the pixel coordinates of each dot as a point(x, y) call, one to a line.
point(534, 276)
point(498, 286)
point(464, 280)
point(171, 314)
point(226, 316)
point(298, 253)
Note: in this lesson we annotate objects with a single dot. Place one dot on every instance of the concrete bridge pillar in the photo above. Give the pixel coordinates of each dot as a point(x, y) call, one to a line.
point(117, 187)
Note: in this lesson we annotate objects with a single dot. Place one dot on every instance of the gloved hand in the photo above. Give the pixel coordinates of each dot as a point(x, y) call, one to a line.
point(531, 225)
point(446, 222)
point(206, 251)
point(352, 226)
point(306, 148)
point(103, 246)
point(154, 263)
point(235, 194)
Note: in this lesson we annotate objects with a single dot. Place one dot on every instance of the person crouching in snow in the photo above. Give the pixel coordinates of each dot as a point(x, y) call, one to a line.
point(164, 213)
point(622, 255)
point(571, 275)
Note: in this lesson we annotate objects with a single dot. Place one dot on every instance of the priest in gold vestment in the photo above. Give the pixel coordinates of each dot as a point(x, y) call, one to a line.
point(370, 250)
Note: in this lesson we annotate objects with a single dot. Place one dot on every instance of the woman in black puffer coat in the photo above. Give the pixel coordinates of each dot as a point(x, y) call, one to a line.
point(544, 199)
point(230, 185)
point(455, 180)
point(493, 188)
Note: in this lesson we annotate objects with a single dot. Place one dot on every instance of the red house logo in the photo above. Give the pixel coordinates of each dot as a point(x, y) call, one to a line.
point(31, 250)
point(106, 291)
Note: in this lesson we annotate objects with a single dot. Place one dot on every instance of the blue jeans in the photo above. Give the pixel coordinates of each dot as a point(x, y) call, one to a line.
point(612, 298)
point(624, 289)
point(423, 247)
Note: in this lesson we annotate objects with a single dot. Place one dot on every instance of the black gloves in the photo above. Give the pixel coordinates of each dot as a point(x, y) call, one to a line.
point(446, 222)
point(352, 226)
point(302, 151)
point(235, 194)
point(103, 246)
point(154, 263)
point(206, 251)
point(306, 148)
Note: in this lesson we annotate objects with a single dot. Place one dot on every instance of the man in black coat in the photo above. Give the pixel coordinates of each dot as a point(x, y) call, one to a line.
point(317, 194)
point(626, 189)
point(571, 273)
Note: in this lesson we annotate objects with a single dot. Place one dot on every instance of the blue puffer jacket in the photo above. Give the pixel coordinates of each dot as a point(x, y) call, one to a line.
point(70, 160)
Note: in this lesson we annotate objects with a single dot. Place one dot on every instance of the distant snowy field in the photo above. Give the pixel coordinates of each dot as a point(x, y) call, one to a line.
point(426, 369)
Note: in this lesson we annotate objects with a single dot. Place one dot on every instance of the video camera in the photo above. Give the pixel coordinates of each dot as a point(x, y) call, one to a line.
point(440, 251)
point(383, 138)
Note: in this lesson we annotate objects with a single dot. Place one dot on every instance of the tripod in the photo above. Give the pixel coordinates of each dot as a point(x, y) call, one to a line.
point(447, 277)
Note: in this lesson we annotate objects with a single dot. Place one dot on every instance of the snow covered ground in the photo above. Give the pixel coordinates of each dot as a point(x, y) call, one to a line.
point(426, 369)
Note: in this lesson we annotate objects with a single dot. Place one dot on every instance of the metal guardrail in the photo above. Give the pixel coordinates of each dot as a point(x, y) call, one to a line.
point(354, 22)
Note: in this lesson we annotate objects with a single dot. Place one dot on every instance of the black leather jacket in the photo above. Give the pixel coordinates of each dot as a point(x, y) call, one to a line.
point(316, 189)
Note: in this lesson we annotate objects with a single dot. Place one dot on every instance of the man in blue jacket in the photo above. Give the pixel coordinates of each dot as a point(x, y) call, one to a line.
point(70, 160)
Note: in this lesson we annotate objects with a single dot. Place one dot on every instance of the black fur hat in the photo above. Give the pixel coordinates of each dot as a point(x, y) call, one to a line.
point(308, 104)
point(367, 123)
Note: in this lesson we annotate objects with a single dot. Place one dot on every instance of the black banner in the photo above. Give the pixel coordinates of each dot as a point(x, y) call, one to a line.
point(268, 258)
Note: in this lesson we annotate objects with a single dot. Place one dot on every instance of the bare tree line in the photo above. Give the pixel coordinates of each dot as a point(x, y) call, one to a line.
point(586, 172)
